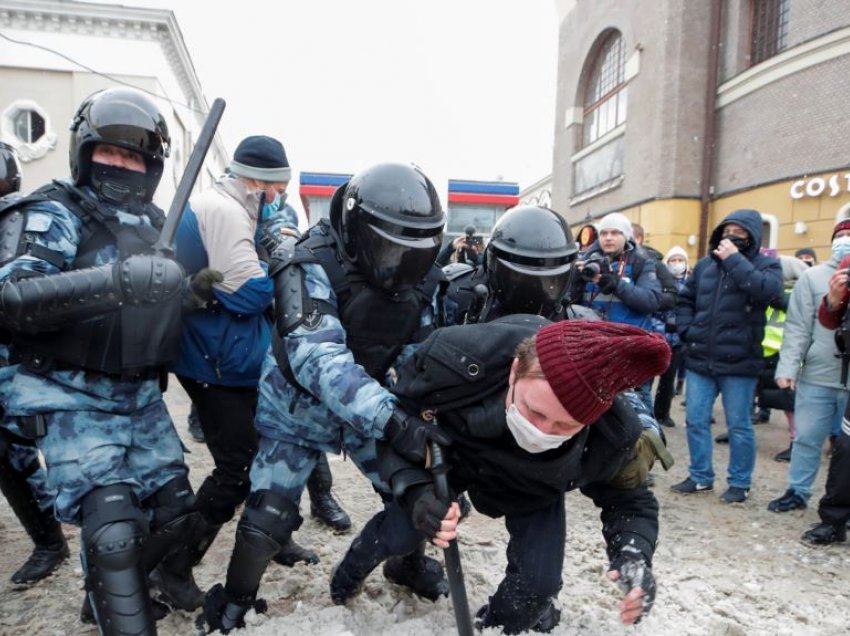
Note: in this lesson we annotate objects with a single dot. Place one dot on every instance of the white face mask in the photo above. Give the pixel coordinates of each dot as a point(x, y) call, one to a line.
point(530, 438)
point(677, 269)
point(841, 247)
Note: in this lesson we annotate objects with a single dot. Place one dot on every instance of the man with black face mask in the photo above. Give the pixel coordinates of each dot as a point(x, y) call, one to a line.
point(94, 316)
point(720, 318)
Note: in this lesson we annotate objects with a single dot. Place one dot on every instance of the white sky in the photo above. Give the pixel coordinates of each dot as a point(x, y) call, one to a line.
point(464, 88)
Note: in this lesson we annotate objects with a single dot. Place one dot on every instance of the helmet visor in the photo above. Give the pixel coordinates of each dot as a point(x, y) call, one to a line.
point(393, 262)
point(529, 289)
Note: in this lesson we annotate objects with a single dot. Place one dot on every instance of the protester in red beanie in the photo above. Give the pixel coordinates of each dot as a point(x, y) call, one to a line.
point(532, 410)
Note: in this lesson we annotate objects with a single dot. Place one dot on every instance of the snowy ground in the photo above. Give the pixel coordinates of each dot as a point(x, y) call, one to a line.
point(730, 570)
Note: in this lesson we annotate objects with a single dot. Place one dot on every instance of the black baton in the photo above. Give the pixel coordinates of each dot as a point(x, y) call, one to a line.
point(165, 243)
point(454, 568)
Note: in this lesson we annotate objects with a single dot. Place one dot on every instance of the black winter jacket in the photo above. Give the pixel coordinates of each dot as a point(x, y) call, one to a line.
point(721, 311)
point(500, 477)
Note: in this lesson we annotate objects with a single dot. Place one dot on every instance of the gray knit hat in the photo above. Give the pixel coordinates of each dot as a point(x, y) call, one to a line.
point(260, 157)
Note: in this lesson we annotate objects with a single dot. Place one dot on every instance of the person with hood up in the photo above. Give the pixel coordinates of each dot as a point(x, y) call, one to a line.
point(676, 261)
point(720, 318)
point(807, 363)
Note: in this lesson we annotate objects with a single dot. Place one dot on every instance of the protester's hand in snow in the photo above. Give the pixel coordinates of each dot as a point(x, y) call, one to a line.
point(634, 576)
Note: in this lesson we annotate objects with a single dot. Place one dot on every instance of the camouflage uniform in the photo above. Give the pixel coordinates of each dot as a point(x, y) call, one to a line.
point(100, 429)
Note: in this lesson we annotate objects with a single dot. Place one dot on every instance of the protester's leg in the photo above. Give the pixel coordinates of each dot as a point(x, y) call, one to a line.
point(737, 397)
point(532, 579)
point(227, 417)
point(816, 409)
point(664, 394)
point(389, 533)
point(700, 393)
point(834, 507)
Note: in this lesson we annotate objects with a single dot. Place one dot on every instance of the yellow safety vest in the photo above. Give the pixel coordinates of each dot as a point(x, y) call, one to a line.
point(773, 331)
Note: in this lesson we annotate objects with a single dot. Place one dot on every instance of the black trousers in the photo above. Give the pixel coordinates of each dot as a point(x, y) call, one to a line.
point(834, 507)
point(667, 386)
point(226, 414)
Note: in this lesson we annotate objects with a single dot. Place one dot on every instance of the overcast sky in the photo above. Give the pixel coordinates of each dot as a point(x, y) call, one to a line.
point(464, 88)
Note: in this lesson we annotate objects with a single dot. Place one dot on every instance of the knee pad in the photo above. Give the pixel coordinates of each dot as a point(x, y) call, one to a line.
point(114, 528)
point(174, 500)
point(271, 513)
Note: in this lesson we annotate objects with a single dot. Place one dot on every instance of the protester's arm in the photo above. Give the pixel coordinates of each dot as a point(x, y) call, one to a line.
point(228, 238)
point(685, 307)
point(796, 333)
point(630, 527)
point(762, 282)
point(834, 303)
point(644, 294)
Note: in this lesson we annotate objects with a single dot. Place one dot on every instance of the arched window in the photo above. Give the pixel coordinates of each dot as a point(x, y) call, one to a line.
point(605, 94)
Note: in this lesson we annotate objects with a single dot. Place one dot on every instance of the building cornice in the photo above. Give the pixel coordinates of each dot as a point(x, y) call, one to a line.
point(817, 51)
point(116, 21)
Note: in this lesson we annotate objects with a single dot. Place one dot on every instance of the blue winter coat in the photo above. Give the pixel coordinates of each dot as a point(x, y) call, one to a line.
point(721, 312)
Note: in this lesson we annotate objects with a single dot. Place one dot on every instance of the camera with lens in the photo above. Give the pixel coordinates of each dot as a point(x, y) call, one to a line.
point(472, 240)
point(596, 264)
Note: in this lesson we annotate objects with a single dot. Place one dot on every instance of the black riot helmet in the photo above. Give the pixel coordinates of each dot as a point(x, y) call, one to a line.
point(127, 118)
point(10, 170)
point(390, 222)
point(529, 257)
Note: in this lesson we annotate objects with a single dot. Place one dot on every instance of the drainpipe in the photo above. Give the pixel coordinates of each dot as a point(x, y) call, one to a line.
point(709, 126)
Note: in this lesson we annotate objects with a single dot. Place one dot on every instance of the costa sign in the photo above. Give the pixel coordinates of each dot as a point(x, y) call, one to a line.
point(816, 186)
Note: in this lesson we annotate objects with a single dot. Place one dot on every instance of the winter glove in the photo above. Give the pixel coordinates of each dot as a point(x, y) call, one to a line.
point(409, 436)
point(426, 509)
point(201, 285)
point(635, 572)
point(649, 447)
point(608, 282)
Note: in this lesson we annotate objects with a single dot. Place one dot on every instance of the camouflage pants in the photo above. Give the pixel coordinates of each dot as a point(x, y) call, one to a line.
point(85, 450)
point(284, 467)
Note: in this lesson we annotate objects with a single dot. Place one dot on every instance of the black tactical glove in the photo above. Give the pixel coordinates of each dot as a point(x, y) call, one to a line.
point(635, 572)
point(201, 285)
point(426, 509)
point(608, 282)
point(148, 278)
point(409, 436)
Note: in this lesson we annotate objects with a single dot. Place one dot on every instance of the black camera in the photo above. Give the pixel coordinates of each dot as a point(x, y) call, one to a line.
point(595, 265)
point(471, 238)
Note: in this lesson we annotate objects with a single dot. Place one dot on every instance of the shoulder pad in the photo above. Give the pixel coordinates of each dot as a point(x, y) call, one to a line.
point(454, 271)
point(11, 233)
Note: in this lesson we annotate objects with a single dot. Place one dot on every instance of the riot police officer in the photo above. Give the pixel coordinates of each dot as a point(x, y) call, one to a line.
point(350, 295)
point(94, 315)
point(22, 479)
point(526, 270)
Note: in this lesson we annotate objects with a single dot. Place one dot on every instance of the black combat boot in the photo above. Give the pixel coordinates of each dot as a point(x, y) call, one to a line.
point(420, 573)
point(323, 506)
point(173, 576)
point(826, 534)
point(224, 612)
point(292, 553)
point(51, 549)
point(363, 556)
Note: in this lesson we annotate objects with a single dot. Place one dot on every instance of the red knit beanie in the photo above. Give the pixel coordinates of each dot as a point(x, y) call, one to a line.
point(843, 224)
point(587, 363)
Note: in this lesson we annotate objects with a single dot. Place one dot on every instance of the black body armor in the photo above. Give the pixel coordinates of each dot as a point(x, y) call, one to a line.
point(101, 329)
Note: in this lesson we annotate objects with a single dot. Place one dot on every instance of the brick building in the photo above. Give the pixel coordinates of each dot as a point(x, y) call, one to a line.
point(678, 112)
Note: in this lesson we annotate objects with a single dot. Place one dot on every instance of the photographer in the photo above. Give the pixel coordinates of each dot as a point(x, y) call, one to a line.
point(467, 248)
point(617, 280)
